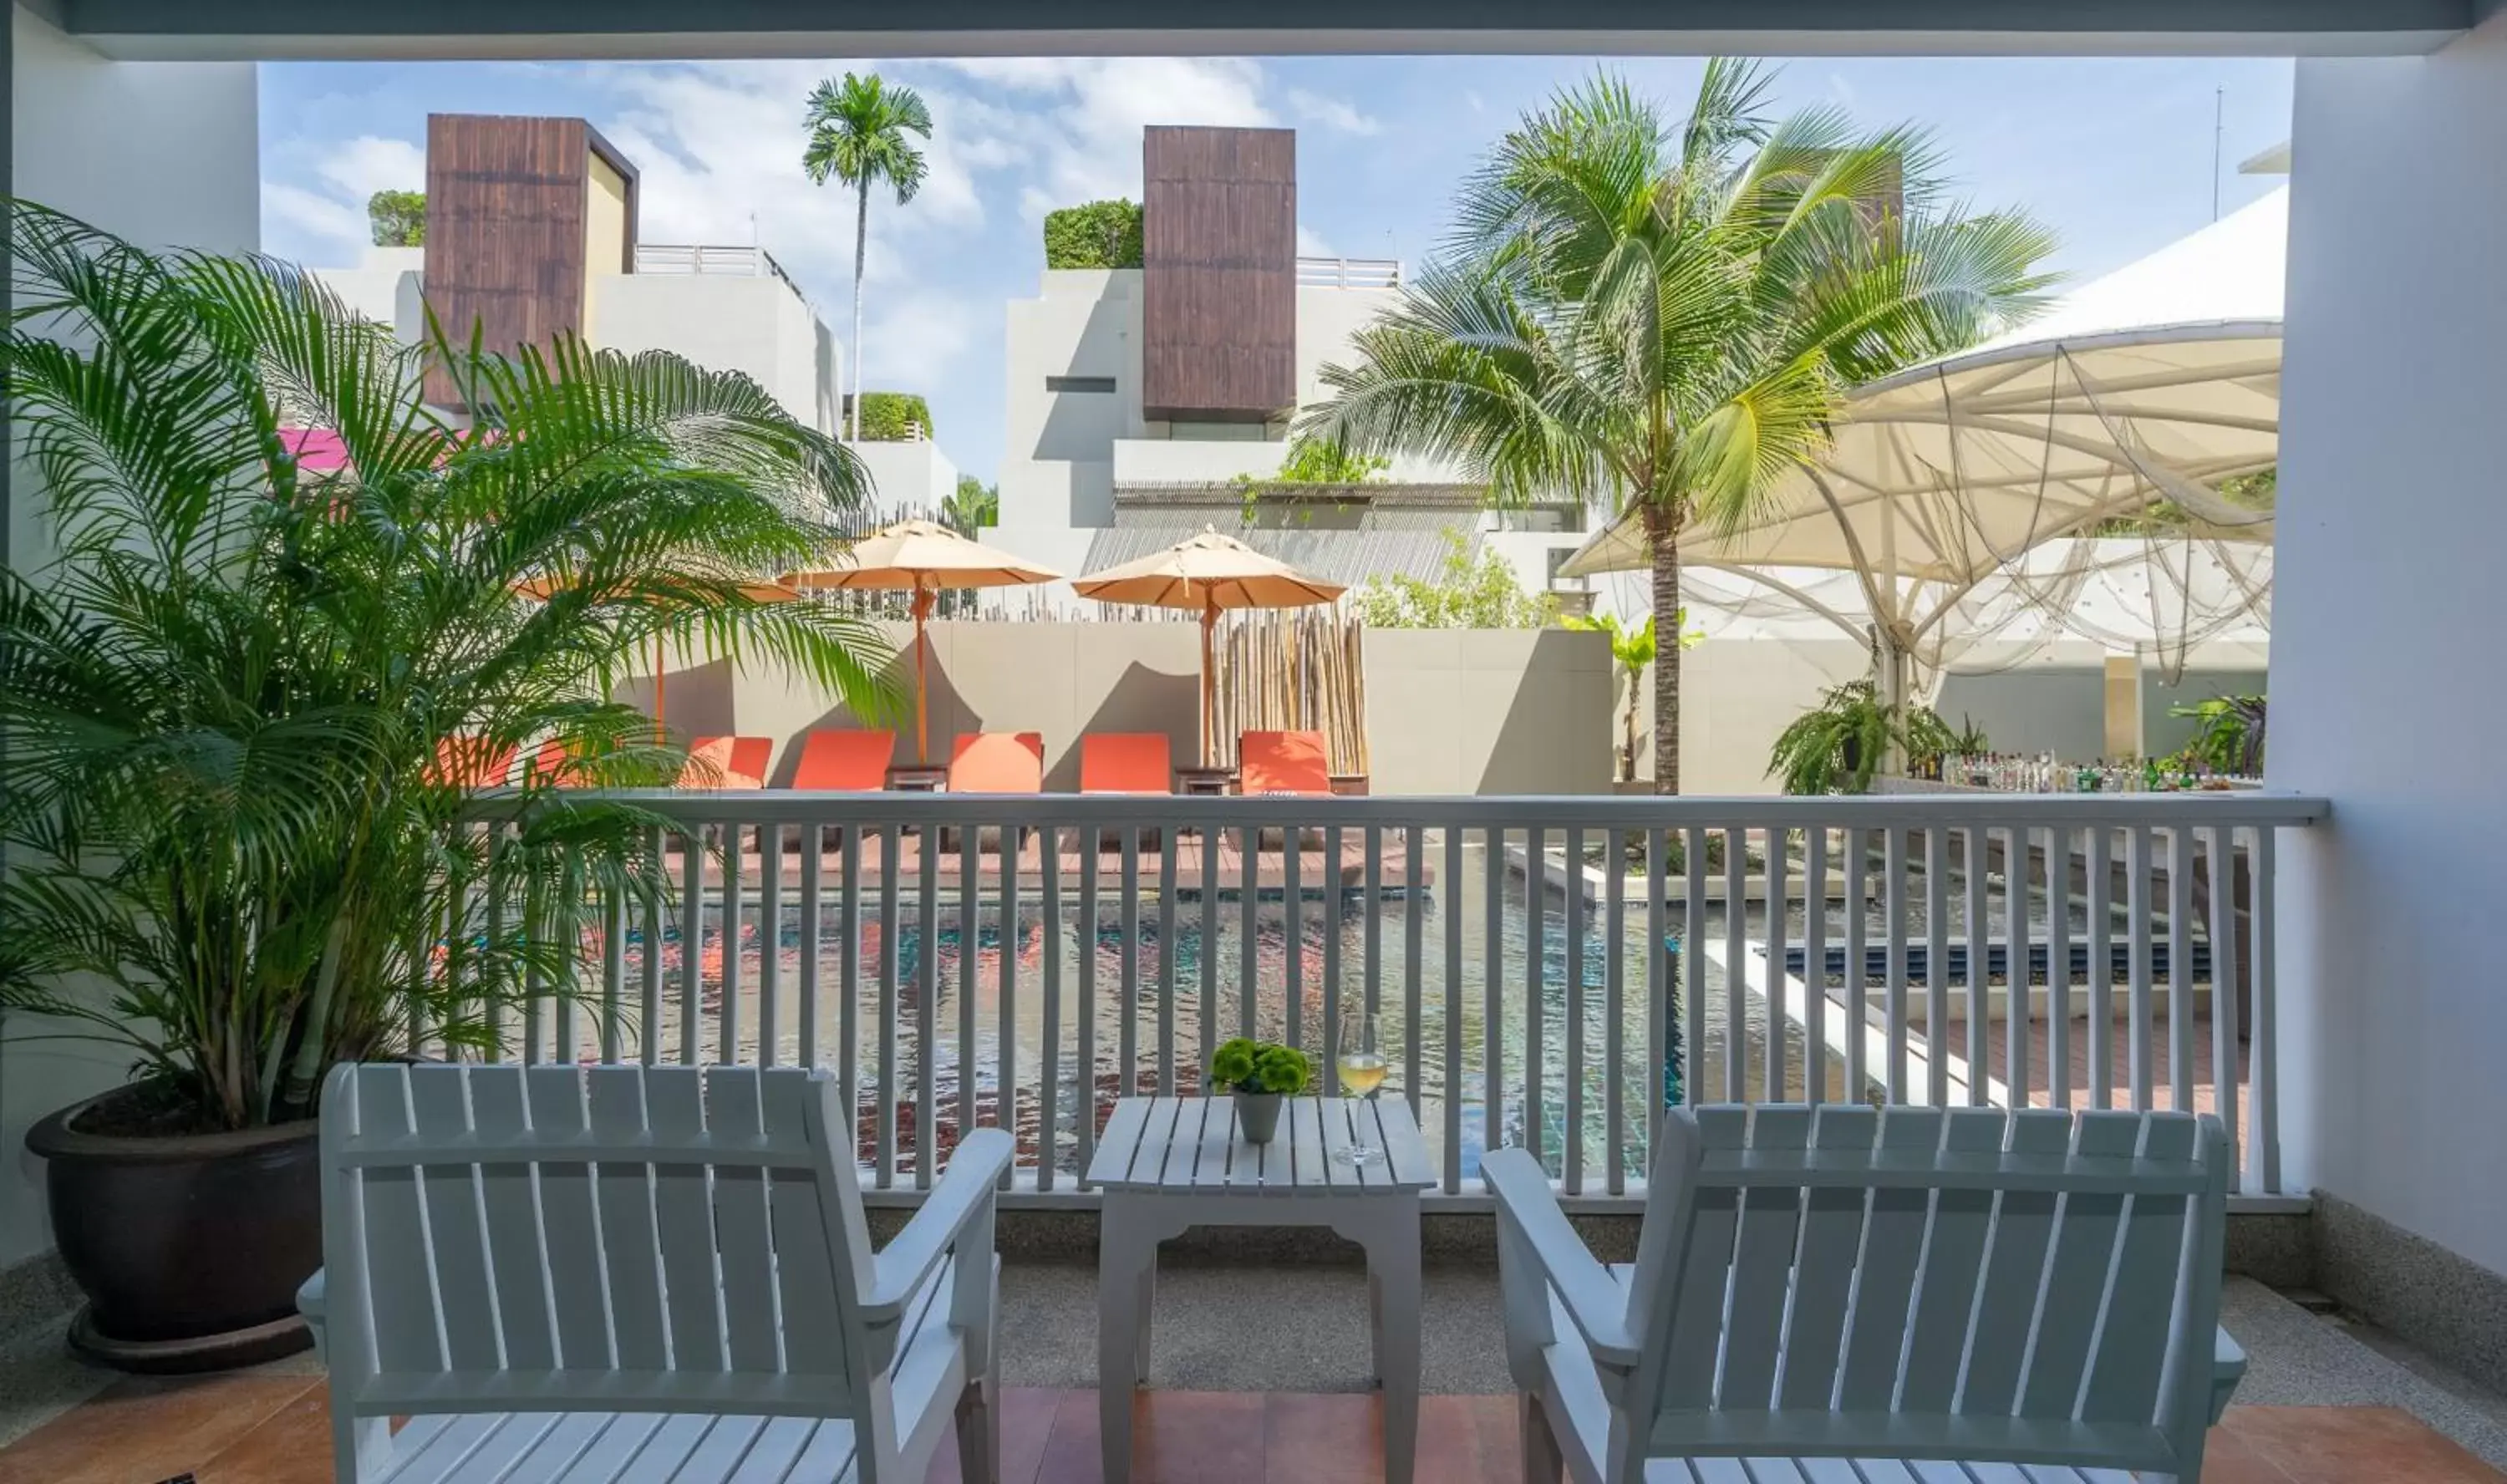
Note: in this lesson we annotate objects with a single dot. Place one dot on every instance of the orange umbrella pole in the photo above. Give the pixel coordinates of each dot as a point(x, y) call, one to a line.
point(1208, 682)
point(658, 733)
point(921, 676)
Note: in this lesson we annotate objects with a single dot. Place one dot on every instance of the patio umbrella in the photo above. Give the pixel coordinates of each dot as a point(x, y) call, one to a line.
point(923, 557)
point(542, 589)
point(1207, 572)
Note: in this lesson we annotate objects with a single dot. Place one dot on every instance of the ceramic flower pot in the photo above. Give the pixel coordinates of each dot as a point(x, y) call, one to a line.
point(1258, 1115)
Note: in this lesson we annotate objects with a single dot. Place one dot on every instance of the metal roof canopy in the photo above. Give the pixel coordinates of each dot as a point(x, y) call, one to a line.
point(413, 29)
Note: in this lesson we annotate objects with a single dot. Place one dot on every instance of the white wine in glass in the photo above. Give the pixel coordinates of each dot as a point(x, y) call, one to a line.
point(1361, 1063)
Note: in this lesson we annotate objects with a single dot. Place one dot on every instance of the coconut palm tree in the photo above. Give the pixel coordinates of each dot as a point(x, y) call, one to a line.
point(239, 845)
point(1666, 314)
point(858, 133)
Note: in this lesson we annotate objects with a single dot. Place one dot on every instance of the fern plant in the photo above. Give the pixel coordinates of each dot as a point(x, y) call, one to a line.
point(227, 684)
point(1836, 746)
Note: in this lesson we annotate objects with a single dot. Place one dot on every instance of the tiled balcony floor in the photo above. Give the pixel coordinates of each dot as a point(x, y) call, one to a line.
point(2323, 1408)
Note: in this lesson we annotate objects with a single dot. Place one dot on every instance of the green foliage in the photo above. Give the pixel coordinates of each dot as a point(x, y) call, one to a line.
point(2258, 492)
point(971, 506)
point(1097, 235)
point(1836, 746)
point(2230, 735)
point(862, 133)
point(397, 218)
point(234, 853)
point(1244, 1066)
point(891, 416)
point(1467, 594)
point(1632, 653)
point(1664, 311)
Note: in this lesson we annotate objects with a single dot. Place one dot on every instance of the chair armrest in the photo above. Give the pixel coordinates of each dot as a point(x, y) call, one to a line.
point(1595, 1302)
point(965, 1192)
point(2227, 1368)
point(314, 1302)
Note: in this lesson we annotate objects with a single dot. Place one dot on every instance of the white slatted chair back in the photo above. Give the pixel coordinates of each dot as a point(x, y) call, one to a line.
point(1965, 1284)
point(551, 1239)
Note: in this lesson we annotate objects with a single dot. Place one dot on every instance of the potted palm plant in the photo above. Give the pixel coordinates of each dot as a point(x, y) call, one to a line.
point(235, 853)
point(1259, 1073)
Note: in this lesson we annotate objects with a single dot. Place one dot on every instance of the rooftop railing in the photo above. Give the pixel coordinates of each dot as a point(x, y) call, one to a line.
point(1548, 972)
point(1348, 272)
point(744, 261)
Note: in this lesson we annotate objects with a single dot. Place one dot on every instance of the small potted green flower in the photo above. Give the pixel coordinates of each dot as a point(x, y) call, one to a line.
point(1259, 1073)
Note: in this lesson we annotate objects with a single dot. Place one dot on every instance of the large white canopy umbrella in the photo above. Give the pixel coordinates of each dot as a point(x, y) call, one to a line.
point(1970, 475)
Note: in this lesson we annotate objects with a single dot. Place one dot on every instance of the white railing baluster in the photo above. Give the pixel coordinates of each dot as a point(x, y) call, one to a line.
point(1572, 922)
point(2099, 948)
point(1166, 962)
point(970, 937)
point(613, 973)
point(691, 943)
point(1937, 1039)
point(1536, 899)
point(848, 979)
point(648, 1025)
point(1413, 902)
point(727, 1033)
point(1330, 1039)
point(1247, 842)
point(1293, 937)
point(1692, 966)
point(2223, 934)
point(926, 1010)
point(1005, 1050)
point(1451, 1092)
point(2181, 854)
point(1976, 849)
point(1778, 1073)
point(1083, 1070)
point(2018, 1000)
point(812, 906)
point(892, 1005)
point(1736, 948)
point(1372, 977)
point(2263, 1157)
point(1657, 985)
point(2059, 968)
point(2136, 926)
point(1893, 887)
point(770, 943)
point(1615, 1010)
point(1048, 1092)
point(1128, 1027)
point(1854, 849)
point(1493, 992)
point(1815, 964)
point(1214, 1025)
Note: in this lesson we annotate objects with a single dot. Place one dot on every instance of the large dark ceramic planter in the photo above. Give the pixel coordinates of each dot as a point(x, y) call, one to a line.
point(189, 1248)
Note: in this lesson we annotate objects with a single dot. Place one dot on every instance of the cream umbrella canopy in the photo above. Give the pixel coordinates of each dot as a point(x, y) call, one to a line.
point(1207, 573)
point(921, 557)
point(542, 589)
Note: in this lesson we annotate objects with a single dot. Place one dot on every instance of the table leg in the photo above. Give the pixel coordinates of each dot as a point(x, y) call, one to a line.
point(1119, 1257)
point(1389, 1231)
point(1148, 1302)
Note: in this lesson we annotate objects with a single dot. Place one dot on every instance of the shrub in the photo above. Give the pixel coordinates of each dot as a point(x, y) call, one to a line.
point(398, 218)
point(1244, 1066)
point(1097, 235)
point(1467, 594)
point(889, 416)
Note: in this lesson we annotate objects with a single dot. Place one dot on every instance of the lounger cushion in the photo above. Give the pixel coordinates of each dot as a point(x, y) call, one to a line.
point(844, 762)
point(1126, 762)
point(727, 762)
point(997, 762)
point(1284, 762)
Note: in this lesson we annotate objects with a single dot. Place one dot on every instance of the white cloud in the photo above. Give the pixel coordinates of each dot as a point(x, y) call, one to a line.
point(1331, 113)
point(1311, 244)
point(312, 214)
point(369, 162)
point(1077, 126)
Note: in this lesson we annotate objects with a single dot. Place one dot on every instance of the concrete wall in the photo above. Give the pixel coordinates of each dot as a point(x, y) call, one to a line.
point(908, 478)
point(725, 322)
point(164, 153)
point(1449, 711)
point(2394, 1001)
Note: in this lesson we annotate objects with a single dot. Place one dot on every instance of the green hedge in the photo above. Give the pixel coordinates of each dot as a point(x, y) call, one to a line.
point(1097, 235)
point(886, 415)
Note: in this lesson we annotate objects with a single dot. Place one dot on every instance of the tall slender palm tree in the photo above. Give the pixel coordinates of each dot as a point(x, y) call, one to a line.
point(858, 133)
point(1666, 316)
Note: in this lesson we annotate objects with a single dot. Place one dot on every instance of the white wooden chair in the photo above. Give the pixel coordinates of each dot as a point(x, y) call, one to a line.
point(623, 1273)
point(1841, 1294)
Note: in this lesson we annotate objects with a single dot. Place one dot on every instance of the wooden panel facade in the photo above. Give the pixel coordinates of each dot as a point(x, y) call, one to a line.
point(509, 213)
point(1219, 260)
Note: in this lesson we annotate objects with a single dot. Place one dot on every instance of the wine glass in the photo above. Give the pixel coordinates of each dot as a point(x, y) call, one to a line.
point(1361, 1063)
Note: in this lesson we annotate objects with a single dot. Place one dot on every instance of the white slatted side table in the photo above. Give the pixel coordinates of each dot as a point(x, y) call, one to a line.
point(1170, 1164)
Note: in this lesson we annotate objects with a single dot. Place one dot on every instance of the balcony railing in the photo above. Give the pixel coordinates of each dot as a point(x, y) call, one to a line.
point(1348, 272)
point(1547, 970)
point(713, 260)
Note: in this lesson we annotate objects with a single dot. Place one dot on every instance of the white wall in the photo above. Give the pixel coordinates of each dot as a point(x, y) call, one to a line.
point(725, 322)
point(383, 288)
point(909, 478)
point(2392, 518)
point(164, 153)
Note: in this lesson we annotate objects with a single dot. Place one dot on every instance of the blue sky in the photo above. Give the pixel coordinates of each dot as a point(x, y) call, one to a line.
point(2115, 155)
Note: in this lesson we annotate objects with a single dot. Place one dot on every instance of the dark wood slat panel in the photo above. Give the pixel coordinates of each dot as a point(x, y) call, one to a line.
point(1220, 310)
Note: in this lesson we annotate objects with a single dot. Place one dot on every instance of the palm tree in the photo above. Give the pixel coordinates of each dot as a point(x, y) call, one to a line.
point(857, 134)
point(1666, 316)
point(236, 848)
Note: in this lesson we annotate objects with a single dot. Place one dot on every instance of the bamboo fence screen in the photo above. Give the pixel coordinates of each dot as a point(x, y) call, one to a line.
point(1294, 670)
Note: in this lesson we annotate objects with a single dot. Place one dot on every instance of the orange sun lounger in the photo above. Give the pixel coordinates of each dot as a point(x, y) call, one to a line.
point(1283, 763)
point(727, 762)
point(996, 762)
point(1126, 762)
point(471, 762)
point(844, 762)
